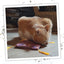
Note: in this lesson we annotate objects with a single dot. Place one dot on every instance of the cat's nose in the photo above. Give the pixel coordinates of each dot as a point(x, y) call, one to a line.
point(44, 43)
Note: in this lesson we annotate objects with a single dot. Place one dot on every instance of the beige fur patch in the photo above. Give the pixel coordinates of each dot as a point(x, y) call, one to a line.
point(27, 35)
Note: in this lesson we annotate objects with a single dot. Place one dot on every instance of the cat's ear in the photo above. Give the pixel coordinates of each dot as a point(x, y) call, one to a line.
point(47, 27)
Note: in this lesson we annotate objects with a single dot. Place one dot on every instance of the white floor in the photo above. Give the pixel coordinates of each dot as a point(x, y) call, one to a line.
point(52, 49)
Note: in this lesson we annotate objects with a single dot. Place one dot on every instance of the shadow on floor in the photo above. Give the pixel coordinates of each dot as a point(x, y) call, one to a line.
point(16, 40)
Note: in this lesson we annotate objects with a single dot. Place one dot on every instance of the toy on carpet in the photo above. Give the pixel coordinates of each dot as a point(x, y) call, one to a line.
point(27, 45)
